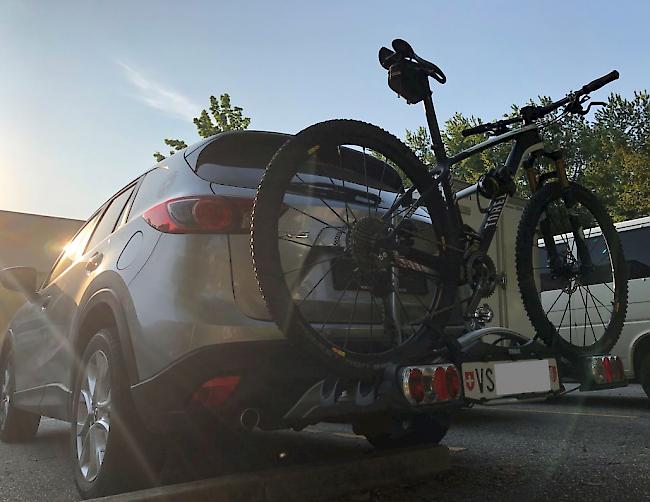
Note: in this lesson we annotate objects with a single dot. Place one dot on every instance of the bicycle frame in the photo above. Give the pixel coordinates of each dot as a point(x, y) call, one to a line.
point(526, 141)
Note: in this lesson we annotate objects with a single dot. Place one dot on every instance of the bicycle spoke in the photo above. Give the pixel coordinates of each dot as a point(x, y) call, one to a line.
point(281, 237)
point(347, 208)
point(596, 298)
point(381, 182)
point(309, 264)
point(365, 170)
point(408, 318)
point(562, 320)
point(354, 309)
point(570, 320)
point(338, 302)
point(584, 321)
point(317, 283)
point(310, 216)
point(590, 323)
point(326, 204)
point(558, 297)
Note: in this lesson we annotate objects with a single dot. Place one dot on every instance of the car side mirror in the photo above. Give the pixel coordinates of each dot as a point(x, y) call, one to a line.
point(21, 279)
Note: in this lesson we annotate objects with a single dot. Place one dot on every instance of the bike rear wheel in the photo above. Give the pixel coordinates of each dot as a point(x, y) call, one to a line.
point(350, 274)
point(571, 270)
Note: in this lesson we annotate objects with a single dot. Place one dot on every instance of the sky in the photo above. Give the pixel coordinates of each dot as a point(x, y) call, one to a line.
point(89, 89)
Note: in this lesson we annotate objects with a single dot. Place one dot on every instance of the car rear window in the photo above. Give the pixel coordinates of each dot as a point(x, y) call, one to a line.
point(239, 159)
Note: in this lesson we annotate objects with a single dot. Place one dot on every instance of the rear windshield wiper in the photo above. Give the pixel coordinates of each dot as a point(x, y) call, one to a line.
point(335, 192)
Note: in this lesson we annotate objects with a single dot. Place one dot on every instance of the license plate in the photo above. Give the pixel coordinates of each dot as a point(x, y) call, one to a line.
point(410, 282)
point(493, 380)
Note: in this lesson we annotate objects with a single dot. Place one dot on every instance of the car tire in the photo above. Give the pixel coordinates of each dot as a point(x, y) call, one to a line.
point(111, 449)
point(414, 431)
point(644, 373)
point(16, 425)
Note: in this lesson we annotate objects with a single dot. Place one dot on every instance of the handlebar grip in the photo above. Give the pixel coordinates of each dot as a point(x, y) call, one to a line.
point(600, 82)
point(481, 128)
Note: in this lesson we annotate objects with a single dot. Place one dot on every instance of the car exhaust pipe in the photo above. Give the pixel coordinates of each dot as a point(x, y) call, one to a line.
point(249, 419)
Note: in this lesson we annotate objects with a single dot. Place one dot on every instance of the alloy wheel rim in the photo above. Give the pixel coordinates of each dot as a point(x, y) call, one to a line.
point(93, 416)
point(5, 395)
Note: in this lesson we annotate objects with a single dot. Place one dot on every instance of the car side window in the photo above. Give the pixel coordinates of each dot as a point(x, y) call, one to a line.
point(74, 250)
point(110, 217)
point(151, 190)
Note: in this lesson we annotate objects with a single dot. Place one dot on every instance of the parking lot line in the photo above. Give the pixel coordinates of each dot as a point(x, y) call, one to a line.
point(552, 412)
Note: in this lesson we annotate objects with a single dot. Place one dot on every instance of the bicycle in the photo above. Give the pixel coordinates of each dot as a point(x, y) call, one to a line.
point(360, 250)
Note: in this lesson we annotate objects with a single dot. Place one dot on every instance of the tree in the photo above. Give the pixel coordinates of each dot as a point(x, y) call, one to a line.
point(609, 153)
point(222, 117)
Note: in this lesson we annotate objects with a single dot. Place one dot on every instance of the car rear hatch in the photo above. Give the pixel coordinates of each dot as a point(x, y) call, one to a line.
point(322, 202)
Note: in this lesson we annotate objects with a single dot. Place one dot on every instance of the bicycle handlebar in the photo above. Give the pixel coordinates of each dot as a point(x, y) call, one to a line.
point(600, 82)
point(532, 112)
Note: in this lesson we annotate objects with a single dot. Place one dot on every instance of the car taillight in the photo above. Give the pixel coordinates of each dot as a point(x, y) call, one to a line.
point(201, 215)
point(607, 366)
point(432, 383)
point(453, 382)
point(440, 384)
point(607, 370)
point(215, 392)
point(416, 385)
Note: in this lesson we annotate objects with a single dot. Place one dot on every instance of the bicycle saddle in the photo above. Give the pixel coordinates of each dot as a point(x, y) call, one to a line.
point(403, 50)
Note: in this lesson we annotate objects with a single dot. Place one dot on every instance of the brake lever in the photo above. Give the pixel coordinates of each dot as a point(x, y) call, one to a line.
point(576, 107)
point(594, 103)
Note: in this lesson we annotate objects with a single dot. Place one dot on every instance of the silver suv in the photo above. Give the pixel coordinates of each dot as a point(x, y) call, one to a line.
point(152, 317)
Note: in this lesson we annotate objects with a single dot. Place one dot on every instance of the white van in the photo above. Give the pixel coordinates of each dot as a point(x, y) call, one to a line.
point(634, 344)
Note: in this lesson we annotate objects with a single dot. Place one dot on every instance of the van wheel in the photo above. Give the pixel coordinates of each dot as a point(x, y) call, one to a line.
point(644, 373)
point(15, 425)
point(111, 449)
point(412, 431)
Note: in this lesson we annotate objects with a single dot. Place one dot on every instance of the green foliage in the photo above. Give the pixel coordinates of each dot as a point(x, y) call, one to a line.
point(222, 116)
point(176, 145)
point(609, 154)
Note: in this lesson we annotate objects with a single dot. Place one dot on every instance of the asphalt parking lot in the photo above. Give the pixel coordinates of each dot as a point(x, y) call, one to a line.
point(583, 445)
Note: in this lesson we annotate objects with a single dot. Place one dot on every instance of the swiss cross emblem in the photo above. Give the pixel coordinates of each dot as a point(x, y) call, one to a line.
point(553, 371)
point(469, 380)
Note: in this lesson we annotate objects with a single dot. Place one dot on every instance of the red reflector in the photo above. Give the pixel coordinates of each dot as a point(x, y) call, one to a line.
point(453, 382)
point(440, 384)
point(215, 392)
point(201, 215)
point(620, 369)
point(416, 385)
point(607, 366)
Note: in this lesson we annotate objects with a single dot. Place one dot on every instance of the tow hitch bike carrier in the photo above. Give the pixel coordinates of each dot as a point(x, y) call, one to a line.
point(482, 372)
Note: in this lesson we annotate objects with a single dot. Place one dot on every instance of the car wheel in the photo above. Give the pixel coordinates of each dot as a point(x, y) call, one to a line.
point(15, 425)
point(111, 448)
point(644, 373)
point(412, 431)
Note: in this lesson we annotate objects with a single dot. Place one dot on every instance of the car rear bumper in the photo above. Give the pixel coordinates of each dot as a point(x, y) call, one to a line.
point(273, 377)
point(282, 384)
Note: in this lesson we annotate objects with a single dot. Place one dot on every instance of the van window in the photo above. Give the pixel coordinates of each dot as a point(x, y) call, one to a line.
point(110, 217)
point(74, 250)
point(599, 256)
point(637, 251)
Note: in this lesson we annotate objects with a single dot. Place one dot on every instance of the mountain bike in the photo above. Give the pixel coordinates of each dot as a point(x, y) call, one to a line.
point(361, 252)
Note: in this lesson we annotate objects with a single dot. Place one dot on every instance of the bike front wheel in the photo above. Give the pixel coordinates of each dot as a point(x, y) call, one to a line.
point(571, 270)
point(351, 269)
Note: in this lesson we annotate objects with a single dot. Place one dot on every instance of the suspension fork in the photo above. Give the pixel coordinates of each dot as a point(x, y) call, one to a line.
point(579, 240)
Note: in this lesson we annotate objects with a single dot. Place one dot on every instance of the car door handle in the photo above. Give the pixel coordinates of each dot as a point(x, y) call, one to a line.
point(94, 261)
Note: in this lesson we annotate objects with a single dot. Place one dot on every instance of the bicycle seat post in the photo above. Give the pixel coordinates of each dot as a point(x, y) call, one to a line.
point(437, 145)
